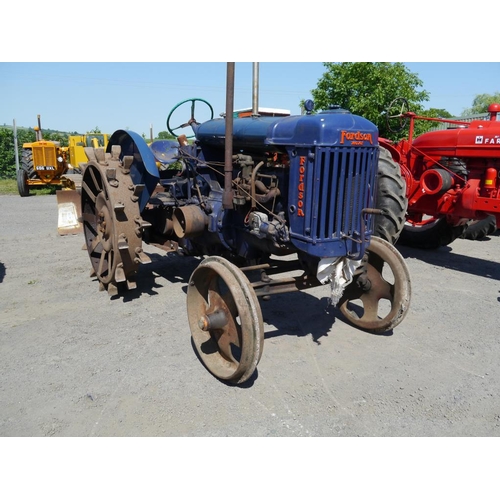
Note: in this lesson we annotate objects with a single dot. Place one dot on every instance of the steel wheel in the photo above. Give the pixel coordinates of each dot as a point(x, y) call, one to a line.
point(111, 224)
point(225, 320)
point(378, 298)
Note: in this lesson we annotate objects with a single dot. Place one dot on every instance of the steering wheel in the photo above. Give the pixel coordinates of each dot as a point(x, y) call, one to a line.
point(397, 114)
point(191, 120)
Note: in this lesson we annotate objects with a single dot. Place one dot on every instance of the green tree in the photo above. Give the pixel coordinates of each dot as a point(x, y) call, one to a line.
point(367, 89)
point(7, 154)
point(60, 137)
point(481, 102)
point(166, 135)
point(438, 113)
point(7, 150)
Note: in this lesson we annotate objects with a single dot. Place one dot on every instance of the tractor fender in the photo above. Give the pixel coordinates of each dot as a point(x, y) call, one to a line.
point(389, 145)
point(143, 169)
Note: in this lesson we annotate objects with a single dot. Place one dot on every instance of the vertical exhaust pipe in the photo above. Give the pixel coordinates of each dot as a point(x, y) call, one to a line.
point(255, 90)
point(227, 195)
point(39, 135)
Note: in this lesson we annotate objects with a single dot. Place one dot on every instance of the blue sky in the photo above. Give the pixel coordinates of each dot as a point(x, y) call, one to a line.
point(83, 95)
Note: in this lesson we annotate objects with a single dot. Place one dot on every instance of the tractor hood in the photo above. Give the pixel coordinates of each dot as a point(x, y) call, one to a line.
point(332, 128)
point(480, 138)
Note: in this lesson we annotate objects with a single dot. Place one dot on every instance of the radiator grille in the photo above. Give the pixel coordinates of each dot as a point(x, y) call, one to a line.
point(44, 156)
point(342, 186)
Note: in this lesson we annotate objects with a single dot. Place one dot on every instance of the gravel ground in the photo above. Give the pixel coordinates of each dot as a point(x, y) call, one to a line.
point(75, 362)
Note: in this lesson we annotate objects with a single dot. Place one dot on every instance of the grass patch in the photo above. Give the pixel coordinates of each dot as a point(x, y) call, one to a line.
point(9, 186)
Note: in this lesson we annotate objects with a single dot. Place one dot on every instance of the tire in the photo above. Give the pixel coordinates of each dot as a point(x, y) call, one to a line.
point(27, 163)
point(391, 198)
point(434, 234)
point(22, 182)
point(479, 229)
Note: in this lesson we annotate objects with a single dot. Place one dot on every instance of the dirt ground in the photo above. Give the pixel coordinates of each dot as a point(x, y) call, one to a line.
point(75, 362)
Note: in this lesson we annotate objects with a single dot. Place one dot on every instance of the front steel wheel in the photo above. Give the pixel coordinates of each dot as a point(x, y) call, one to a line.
point(379, 297)
point(225, 320)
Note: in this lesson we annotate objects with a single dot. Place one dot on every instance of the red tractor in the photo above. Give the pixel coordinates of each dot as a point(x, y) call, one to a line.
point(452, 176)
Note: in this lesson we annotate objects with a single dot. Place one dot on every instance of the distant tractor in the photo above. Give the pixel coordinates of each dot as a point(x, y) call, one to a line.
point(42, 163)
point(452, 176)
point(47, 163)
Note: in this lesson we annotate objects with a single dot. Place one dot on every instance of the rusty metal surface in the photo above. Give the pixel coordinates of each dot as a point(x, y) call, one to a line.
point(378, 300)
point(112, 223)
point(225, 319)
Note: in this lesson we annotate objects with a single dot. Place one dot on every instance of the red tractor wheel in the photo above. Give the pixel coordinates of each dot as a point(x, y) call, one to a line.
point(479, 229)
point(429, 233)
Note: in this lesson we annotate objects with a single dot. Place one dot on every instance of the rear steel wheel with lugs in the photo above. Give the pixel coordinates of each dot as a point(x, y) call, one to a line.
point(225, 320)
point(379, 297)
point(112, 223)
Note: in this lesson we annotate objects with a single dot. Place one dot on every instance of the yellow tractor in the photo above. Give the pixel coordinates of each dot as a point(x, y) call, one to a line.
point(47, 163)
point(42, 163)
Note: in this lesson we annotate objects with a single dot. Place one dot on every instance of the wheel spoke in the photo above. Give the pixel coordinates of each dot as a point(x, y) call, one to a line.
point(371, 288)
point(94, 244)
point(89, 193)
point(97, 185)
point(224, 342)
point(371, 306)
point(383, 287)
point(102, 261)
point(89, 218)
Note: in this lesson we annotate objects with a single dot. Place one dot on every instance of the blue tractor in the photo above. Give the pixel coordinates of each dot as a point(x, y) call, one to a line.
point(269, 205)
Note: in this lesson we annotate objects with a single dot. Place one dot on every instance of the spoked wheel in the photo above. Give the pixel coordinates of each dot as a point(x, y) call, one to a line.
point(378, 298)
point(225, 320)
point(111, 224)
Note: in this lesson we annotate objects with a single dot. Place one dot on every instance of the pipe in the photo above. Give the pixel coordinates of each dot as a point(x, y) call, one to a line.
point(39, 135)
point(255, 90)
point(16, 150)
point(252, 185)
point(227, 195)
